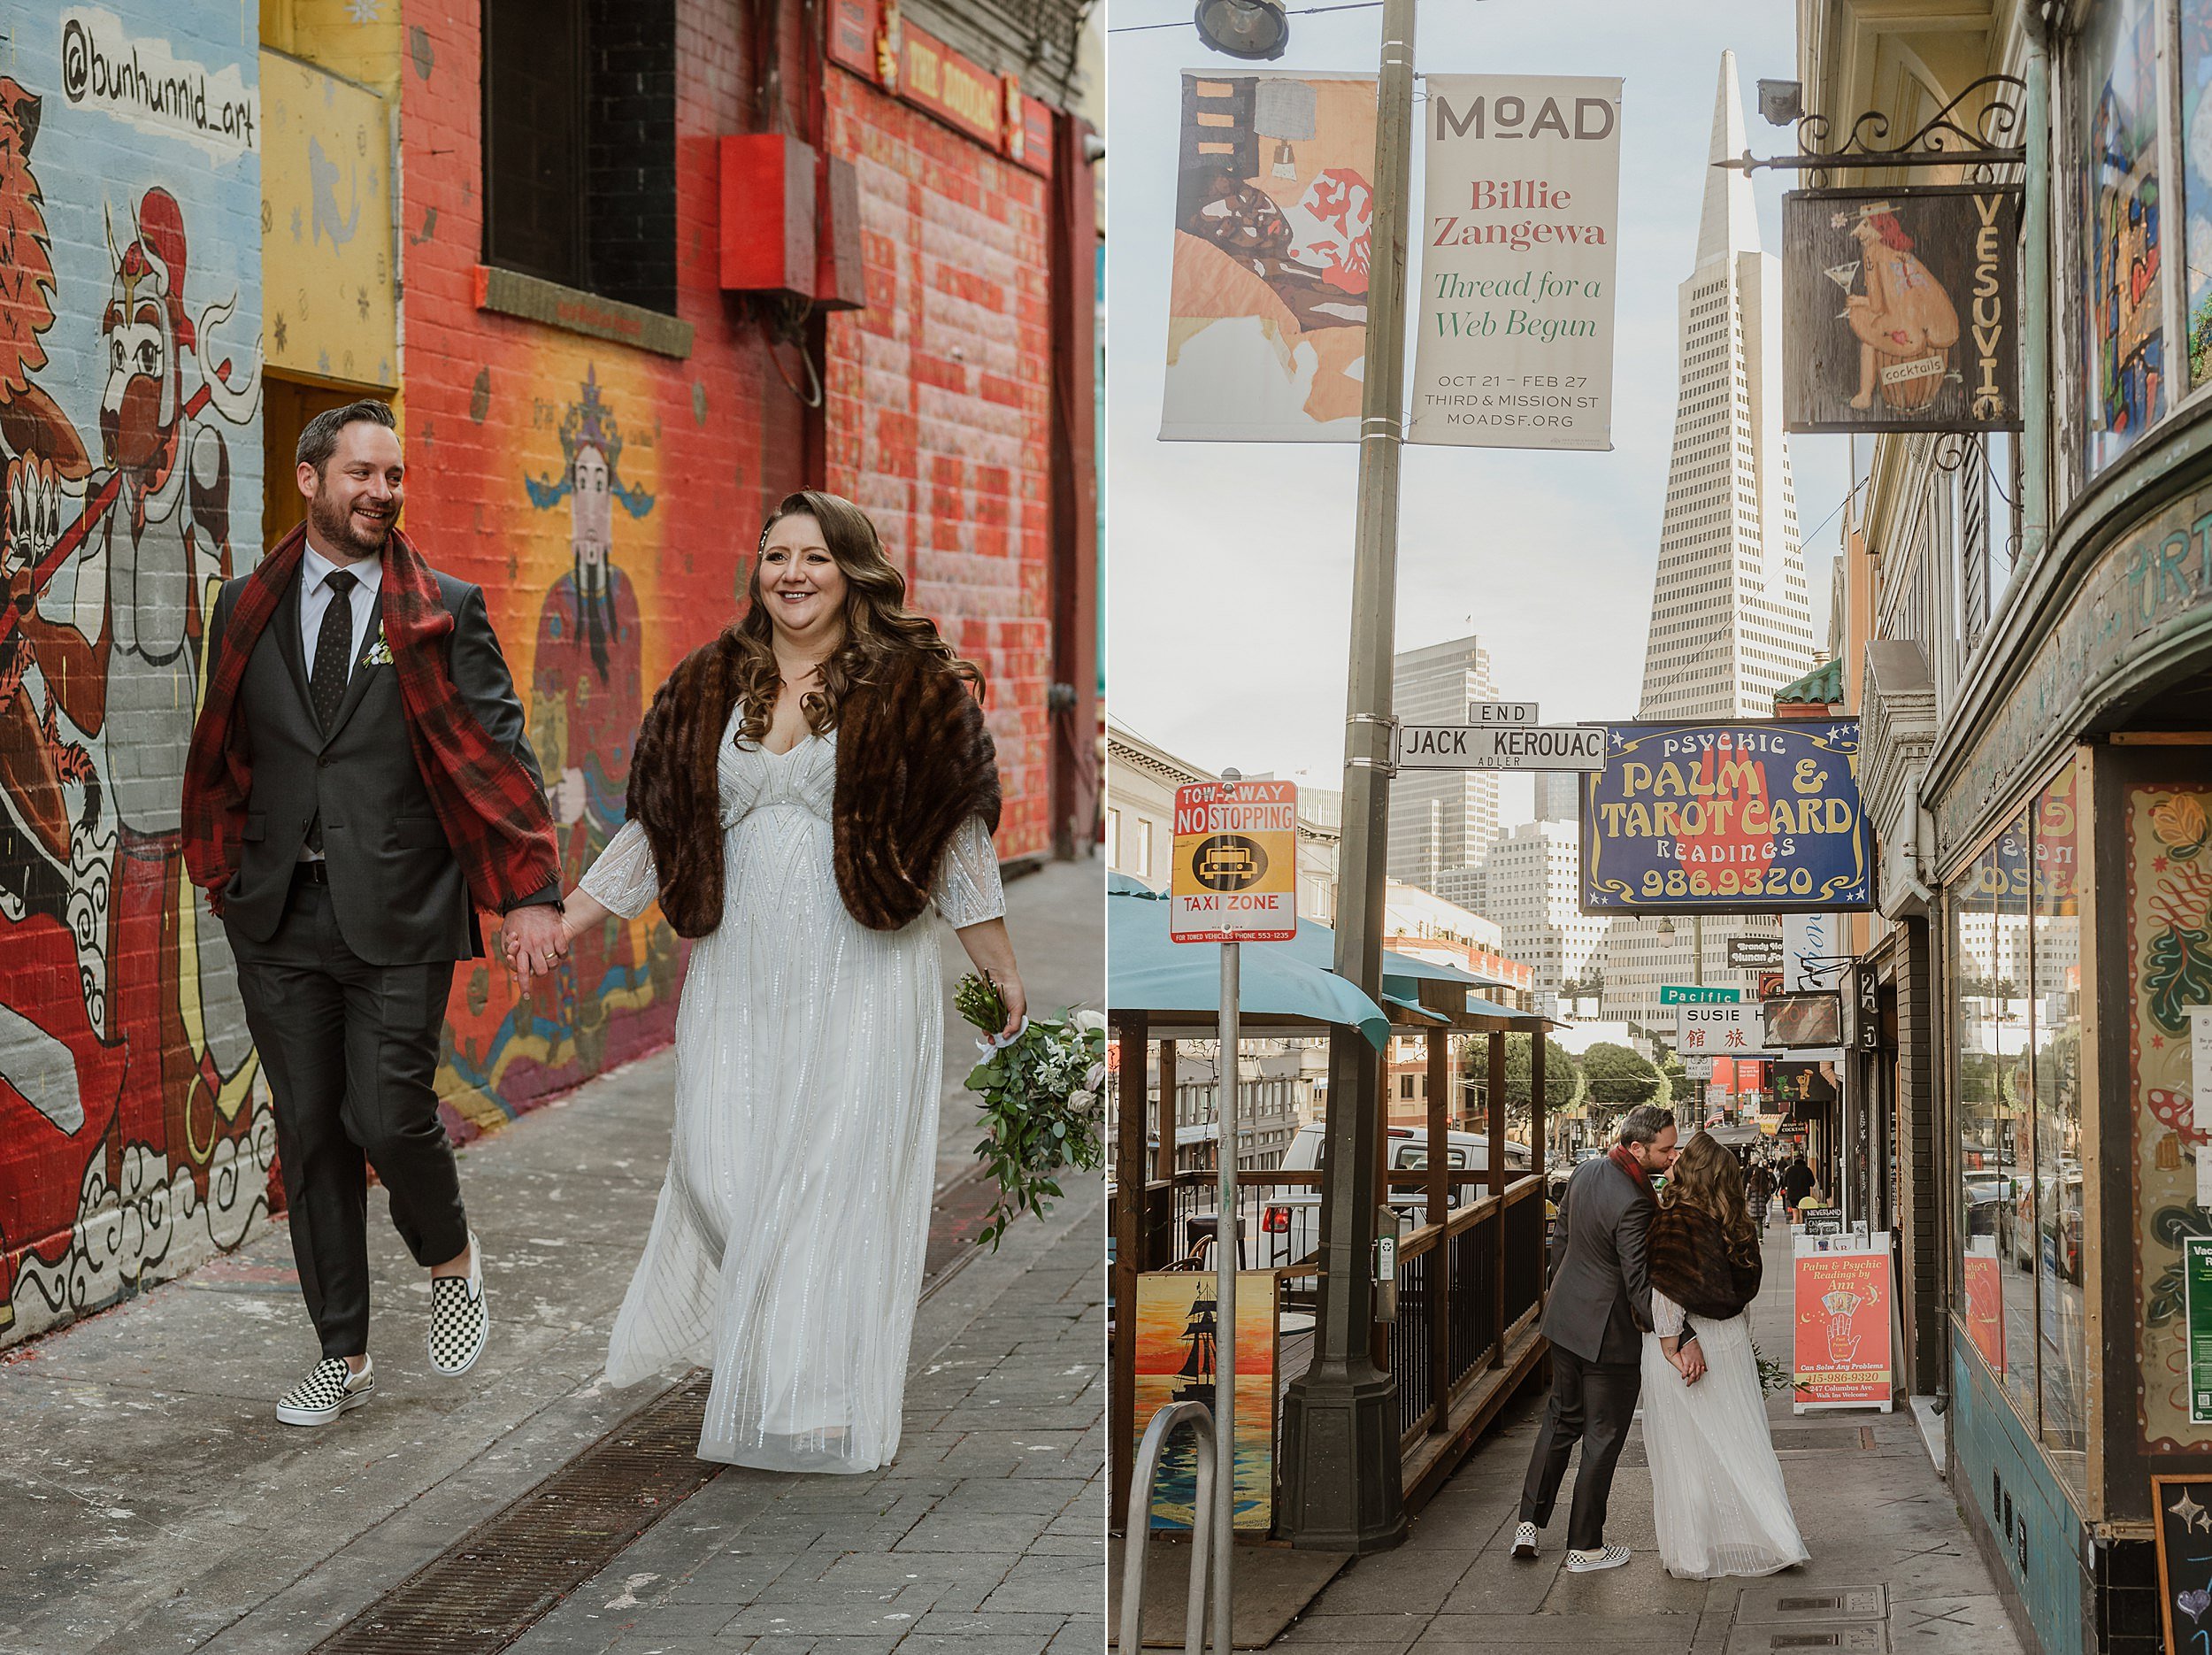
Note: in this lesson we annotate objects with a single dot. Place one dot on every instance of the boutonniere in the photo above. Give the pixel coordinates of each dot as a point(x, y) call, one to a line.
point(380, 652)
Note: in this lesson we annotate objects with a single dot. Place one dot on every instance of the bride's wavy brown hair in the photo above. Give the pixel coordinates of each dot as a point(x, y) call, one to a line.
point(1706, 1176)
point(879, 627)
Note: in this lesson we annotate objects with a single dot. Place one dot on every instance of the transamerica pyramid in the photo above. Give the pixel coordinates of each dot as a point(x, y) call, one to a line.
point(1730, 622)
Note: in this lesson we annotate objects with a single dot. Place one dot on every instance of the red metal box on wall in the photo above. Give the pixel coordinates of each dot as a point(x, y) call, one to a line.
point(768, 214)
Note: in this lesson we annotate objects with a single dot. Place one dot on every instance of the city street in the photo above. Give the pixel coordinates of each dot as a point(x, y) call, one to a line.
point(153, 1503)
point(1892, 1569)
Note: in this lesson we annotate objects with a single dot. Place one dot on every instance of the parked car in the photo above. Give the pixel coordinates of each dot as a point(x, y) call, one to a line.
point(1289, 1223)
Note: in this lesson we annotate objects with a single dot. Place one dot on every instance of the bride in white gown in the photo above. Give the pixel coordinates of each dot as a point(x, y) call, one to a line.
point(787, 1249)
point(1717, 1498)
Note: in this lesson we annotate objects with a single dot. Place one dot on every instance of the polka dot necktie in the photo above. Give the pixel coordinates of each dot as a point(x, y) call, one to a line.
point(334, 645)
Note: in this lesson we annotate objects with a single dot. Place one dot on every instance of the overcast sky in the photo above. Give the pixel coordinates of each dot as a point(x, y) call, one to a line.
point(1229, 565)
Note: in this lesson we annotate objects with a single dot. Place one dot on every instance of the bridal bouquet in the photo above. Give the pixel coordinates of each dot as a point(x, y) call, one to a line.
point(1775, 1376)
point(1044, 1098)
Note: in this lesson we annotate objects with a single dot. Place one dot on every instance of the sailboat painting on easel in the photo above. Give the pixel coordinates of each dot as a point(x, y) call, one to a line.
point(1177, 1343)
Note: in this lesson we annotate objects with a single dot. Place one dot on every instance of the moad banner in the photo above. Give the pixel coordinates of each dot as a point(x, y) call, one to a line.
point(1902, 308)
point(1516, 300)
point(1759, 816)
point(1267, 309)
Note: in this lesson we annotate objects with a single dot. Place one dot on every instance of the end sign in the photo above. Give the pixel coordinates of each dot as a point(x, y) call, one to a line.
point(1235, 876)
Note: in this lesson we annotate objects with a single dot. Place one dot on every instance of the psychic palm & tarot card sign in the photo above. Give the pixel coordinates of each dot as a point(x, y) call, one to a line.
point(1751, 816)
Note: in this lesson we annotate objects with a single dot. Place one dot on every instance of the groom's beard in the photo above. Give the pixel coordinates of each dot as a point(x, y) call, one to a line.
point(339, 528)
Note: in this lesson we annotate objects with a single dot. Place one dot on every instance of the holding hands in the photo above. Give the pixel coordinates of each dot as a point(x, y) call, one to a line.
point(534, 940)
point(1689, 1360)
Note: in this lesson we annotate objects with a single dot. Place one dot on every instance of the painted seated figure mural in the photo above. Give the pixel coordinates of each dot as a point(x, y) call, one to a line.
point(587, 687)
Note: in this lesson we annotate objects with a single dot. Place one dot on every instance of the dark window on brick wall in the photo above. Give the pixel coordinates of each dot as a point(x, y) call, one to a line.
point(579, 144)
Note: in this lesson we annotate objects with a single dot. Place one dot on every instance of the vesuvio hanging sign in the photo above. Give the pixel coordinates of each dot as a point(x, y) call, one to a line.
point(1749, 817)
point(1903, 309)
point(1515, 304)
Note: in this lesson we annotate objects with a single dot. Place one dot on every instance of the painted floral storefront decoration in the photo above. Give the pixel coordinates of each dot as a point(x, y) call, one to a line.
point(2168, 831)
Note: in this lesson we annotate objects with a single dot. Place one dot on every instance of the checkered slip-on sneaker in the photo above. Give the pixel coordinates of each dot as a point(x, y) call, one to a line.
point(330, 1389)
point(1591, 1562)
point(1524, 1540)
point(459, 1323)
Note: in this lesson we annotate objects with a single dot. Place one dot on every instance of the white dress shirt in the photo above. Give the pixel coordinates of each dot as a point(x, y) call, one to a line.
point(315, 571)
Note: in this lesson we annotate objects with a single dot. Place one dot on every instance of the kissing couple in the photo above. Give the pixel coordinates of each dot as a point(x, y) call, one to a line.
point(1649, 1298)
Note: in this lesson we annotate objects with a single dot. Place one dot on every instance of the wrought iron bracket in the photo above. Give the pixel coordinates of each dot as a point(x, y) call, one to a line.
point(1946, 138)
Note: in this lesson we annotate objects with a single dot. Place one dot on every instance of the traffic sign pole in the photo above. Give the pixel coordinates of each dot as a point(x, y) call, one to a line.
point(1228, 1241)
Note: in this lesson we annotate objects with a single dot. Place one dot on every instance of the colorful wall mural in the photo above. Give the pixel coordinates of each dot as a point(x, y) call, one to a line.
point(135, 1135)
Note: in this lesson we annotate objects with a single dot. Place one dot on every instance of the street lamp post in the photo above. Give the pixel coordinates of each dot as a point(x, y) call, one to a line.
point(1341, 1480)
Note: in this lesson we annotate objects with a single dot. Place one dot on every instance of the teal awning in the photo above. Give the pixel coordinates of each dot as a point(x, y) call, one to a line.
point(1147, 973)
point(1316, 946)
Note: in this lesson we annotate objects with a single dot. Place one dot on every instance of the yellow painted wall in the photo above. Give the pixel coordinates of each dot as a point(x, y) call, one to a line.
point(331, 306)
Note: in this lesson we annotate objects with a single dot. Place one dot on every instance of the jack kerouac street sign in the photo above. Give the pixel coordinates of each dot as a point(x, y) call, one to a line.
point(1483, 747)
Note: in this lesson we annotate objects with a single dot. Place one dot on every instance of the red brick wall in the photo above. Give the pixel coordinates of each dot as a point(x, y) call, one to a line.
point(940, 417)
point(707, 443)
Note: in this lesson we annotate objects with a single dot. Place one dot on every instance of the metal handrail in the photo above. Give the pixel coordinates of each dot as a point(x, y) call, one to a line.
point(1164, 1424)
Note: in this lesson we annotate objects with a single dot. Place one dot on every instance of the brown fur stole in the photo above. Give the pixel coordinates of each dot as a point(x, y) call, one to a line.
point(1691, 1264)
point(914, 761)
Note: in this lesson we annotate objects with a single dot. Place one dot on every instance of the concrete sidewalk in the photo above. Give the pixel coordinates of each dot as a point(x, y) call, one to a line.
point(152, 1504)
point(1866, 1499)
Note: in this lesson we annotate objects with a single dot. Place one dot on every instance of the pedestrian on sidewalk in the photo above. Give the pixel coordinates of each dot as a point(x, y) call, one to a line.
point(1598, 1310)
point(1796, 1184)
point(805, 788)
point(1717, 1500)
point(1759, 1188)
point(358, 785)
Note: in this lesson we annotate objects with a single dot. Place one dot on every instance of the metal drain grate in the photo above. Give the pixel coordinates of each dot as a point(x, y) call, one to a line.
point(1849, 1638)
point(504, 1575)
point(1764, 1604)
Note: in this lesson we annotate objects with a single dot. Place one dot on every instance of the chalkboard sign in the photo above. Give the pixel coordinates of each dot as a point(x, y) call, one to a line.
point(2184, 1507)
point(1823, 1220)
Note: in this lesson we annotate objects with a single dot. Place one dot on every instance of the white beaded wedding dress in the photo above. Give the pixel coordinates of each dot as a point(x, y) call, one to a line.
point(1717, 1493)
point(787, 1249)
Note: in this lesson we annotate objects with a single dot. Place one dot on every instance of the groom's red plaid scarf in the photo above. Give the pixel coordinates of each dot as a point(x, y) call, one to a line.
point(492, 809)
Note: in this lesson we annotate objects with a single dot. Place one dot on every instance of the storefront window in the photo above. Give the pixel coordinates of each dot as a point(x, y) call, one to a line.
point(2196, 178)
point(2056, 1022)
point(1987, 1158)
point(2125, 378)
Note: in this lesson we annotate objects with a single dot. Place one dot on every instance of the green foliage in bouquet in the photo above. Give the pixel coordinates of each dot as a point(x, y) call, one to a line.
point(1044, 1101)
point(1775, 1377)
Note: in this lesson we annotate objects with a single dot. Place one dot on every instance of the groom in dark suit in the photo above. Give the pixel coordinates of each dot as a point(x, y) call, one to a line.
point(359, 784)
point(1597, 1312)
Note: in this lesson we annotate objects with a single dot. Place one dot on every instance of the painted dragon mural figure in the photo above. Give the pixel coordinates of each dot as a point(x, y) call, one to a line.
point(127, 1108)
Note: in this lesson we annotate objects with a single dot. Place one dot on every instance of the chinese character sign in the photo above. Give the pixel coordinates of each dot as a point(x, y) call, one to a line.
point(1711, 1030)
point(1749, 817)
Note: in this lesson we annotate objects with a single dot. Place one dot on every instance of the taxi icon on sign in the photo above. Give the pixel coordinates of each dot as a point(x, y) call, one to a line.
point(1229, 862)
